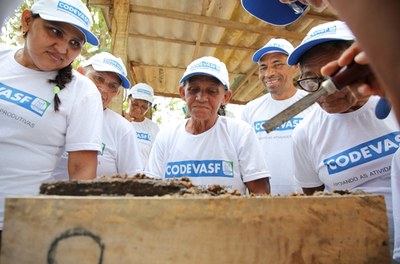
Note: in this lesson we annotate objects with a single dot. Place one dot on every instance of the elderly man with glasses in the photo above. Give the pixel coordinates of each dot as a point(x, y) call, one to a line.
point(341, 145)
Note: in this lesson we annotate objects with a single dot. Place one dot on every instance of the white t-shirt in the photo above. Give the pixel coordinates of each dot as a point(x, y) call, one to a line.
point(347, 151)
point(276, 145)
point(120, 150)
point(146, 132)
point(32, 134)
point(227, 154)
point(396, 203)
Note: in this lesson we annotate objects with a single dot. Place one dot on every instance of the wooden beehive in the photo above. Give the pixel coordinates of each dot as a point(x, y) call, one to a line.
point(325, 229)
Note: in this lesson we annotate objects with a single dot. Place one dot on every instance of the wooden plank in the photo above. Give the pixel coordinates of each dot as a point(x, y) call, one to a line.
point(328, 229)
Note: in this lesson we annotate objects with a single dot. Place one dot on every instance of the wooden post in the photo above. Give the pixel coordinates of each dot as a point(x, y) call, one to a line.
point(119, 44)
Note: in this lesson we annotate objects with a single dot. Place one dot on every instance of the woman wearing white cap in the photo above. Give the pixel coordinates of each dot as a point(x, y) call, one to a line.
point(208, 148)
point(44, 104)
point(140, 99)
point(120, 150)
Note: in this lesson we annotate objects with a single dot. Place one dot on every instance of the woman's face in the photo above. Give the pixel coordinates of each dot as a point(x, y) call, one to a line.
point(138, 109)
point(49, 45)
point(204, 95)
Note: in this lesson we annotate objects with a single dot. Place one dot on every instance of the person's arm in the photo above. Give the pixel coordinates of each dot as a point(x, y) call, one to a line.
point(260, 186)
point(82, 165)
point(311, 191)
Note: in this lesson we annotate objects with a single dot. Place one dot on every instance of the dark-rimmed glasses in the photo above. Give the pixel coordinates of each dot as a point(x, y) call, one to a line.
point(310, 84)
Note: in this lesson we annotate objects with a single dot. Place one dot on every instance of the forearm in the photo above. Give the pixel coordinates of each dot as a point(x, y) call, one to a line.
point(82, 165)
point(260, 186)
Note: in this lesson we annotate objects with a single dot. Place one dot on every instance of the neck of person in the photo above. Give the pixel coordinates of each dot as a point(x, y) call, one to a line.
point(283, 95)
point(196, 126)
point(137, 119)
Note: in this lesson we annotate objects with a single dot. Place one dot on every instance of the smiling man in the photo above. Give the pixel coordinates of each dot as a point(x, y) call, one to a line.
point(277, 78)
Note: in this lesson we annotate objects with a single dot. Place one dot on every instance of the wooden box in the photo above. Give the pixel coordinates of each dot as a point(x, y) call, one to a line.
point(110, 230)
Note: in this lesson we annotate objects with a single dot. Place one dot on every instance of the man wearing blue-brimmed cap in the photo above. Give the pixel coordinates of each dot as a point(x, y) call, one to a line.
point(277, 78)
point(341, 145)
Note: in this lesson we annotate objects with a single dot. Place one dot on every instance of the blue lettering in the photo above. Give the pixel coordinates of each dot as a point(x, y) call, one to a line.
point(363, 153)
point(22, 99)
point(199, 168)
point(289, 125)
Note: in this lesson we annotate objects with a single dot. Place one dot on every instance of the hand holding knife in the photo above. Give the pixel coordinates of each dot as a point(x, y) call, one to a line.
point(347, 75)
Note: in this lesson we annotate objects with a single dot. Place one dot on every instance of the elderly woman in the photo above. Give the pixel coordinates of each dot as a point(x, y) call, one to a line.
point(208, 148)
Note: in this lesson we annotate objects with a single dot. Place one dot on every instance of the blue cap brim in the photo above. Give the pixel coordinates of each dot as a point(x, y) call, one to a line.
point(124, 81)
point(90, 37)
point(259, 53)
point(294, 57)
point(185, 78)
point(273, 11)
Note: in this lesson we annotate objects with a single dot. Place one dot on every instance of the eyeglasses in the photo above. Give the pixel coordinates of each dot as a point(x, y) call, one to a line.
point(310, 84)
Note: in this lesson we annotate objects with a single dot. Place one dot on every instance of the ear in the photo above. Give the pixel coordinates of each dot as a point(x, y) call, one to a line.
point(26, 20)
point(182, 92)
point(227, 97)
point(80, 70)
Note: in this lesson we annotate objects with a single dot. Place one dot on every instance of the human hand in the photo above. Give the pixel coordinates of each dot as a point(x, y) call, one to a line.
point(354, 53)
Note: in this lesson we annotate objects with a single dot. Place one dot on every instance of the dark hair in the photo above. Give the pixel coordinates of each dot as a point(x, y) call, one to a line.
point(63, 77)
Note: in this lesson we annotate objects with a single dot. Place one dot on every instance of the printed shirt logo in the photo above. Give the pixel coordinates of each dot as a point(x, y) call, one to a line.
point(363, 153)
point(28, 101)
point(199, 168)
point(289, 125)
point(73, 11)
point(143, 136)
point(103, 147)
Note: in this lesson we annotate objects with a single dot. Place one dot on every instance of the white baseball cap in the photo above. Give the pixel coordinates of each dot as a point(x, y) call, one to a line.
point(106, 62)
point(210, 66)
point(335, 30)
point(274, 45)
point(69, 11)
point(142, 91)
point(274, 12)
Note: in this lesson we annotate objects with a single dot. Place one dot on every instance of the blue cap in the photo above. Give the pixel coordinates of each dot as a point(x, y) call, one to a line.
point(274, 45)
point(330, 31)
point(275, 12)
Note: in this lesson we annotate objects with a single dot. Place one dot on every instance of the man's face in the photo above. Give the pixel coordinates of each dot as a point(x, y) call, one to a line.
point(338, 102)
point(275, 74)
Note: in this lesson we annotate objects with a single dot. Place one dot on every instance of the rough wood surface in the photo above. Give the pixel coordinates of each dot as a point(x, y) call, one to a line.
point(327, 229)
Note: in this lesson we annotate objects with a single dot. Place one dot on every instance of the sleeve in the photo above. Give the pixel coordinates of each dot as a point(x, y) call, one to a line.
point(156, 161)
point(85, 122)
point(244, 115)
point(129, 160)
point(304, 173)
point(396, 203)
point(250, 157)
